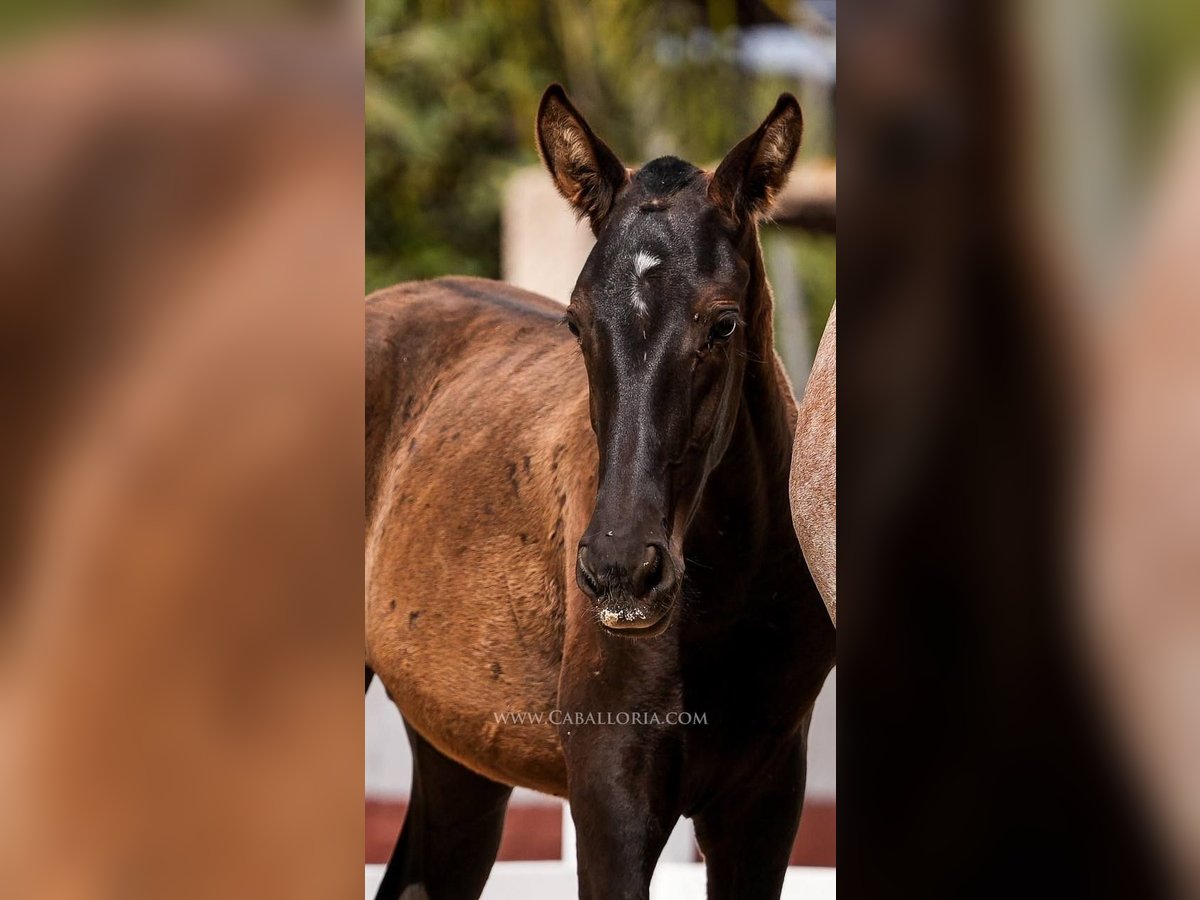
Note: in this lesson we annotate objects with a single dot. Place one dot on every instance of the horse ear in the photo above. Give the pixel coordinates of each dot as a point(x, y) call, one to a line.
point(752, 174)
point(584, 169)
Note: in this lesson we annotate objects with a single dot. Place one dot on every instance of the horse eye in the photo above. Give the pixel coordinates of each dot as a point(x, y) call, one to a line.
point(574, 328)
point(723, 329)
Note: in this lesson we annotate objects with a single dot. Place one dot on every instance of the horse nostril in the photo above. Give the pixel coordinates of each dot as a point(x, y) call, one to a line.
point(585, 576)
point(649, 574)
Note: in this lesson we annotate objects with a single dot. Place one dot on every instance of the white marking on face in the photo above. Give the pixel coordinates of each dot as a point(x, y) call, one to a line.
point(643, 262)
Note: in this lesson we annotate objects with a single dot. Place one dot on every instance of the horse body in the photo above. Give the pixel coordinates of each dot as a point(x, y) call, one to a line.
point(464, 621)
point(813, 485)
point(484, 476)
point(595, 519)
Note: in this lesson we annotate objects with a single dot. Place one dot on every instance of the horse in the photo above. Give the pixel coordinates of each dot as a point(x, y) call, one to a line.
point(582, 575)
point(813, 482)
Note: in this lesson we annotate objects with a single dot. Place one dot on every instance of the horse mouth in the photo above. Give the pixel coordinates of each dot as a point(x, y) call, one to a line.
point(636, 620)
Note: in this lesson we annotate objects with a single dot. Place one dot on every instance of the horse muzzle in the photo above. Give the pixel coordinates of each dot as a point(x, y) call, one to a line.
point(632, 585)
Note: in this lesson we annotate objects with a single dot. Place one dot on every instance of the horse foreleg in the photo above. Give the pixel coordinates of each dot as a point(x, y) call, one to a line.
point(451, 831)
point(624, 803)
point(746, 834)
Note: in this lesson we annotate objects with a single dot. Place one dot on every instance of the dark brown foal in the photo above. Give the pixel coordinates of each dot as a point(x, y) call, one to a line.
point(586, 516)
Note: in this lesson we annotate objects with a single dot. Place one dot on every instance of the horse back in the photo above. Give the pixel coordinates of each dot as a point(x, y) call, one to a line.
point(420, 333)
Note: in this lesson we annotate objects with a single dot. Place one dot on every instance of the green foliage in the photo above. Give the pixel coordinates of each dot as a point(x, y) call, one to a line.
point(817, 261)
point(1156, 47)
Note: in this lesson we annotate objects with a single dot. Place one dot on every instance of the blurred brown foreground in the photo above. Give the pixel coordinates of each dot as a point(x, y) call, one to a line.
point(180, 473)
point(1019, 449)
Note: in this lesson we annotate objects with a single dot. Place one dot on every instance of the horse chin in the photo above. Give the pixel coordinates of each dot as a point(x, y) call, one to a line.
point(639, 619)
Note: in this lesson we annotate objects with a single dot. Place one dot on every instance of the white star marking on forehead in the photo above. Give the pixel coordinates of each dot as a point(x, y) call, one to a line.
point(643, 262)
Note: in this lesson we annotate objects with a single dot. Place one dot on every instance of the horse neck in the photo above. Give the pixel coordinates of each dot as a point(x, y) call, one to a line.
point(768, 403)
point(760, 302)
point(756, 465)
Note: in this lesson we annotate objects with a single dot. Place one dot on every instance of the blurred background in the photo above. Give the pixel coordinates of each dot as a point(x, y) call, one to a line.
point(454, 186)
